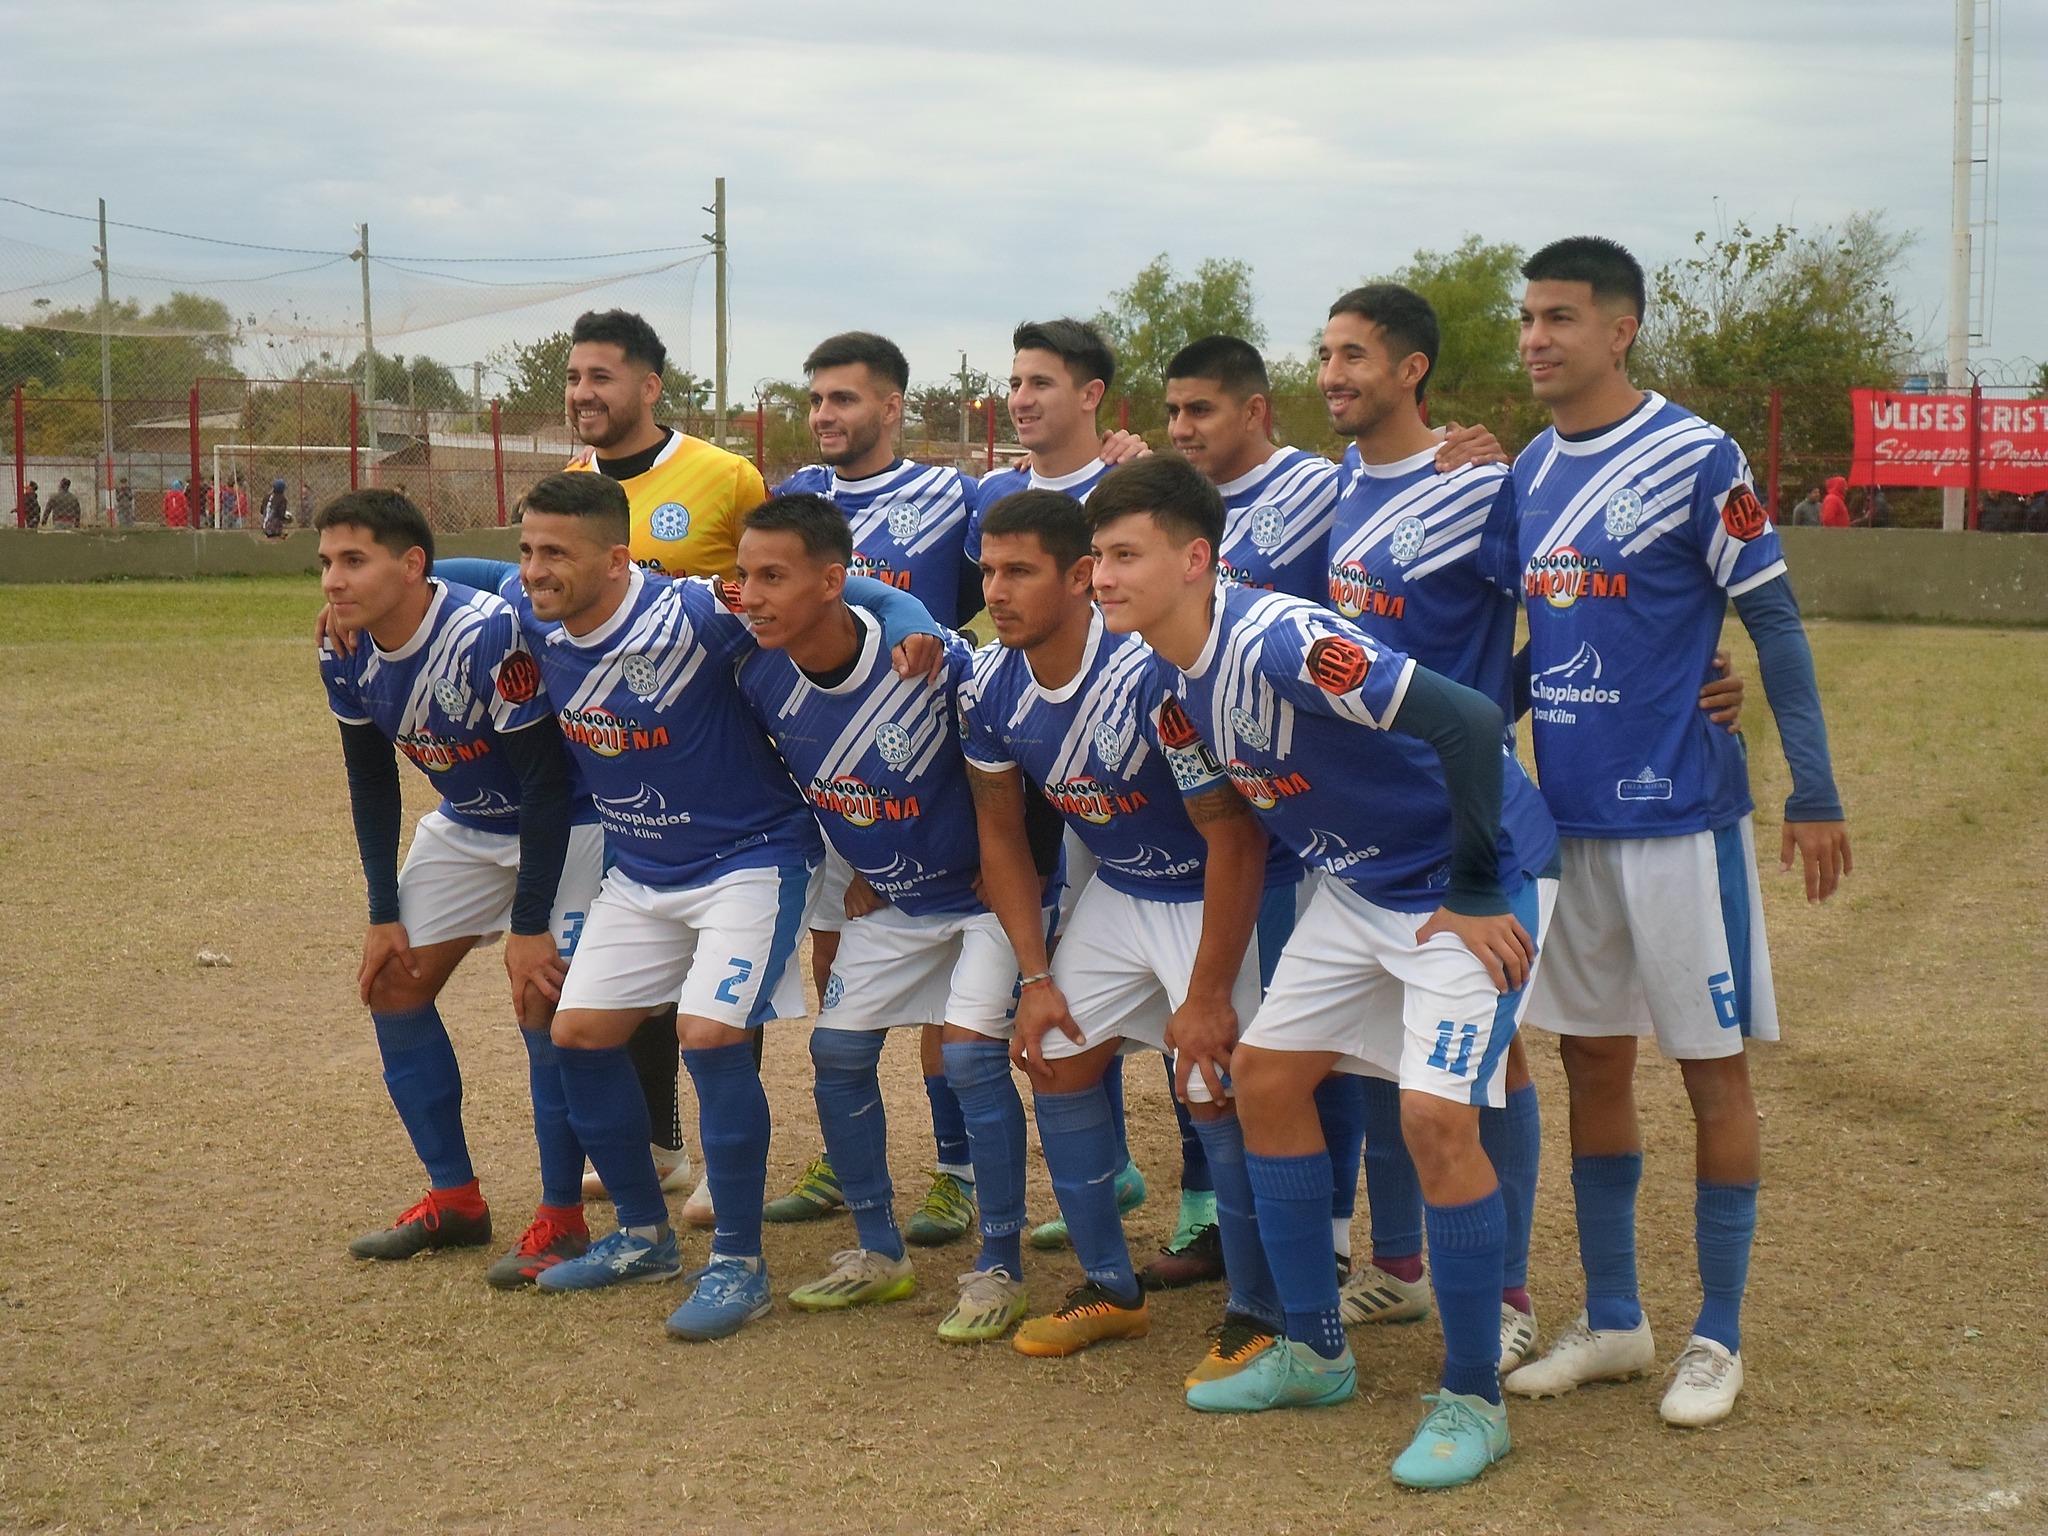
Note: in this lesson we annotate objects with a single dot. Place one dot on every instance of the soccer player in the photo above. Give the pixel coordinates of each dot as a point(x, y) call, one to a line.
point(446, 679)
point(687, 497)
point(878, 757)
point(1410, 959)
point(909, 527)
point(1637, 525)
point(712, 853)
point(1147, 961)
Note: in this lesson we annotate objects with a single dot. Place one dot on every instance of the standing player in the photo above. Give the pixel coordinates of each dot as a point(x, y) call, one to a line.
point(909, 528)
point(687, 497)
point(1409, 960)
point(1637, 525)
point(446, 680)
point(878, 757)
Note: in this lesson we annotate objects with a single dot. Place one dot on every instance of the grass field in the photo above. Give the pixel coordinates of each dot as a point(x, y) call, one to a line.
point(185, 1345)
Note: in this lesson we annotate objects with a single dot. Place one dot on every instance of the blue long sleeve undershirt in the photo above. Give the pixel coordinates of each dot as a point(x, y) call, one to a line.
point(1771, 615)
point(1465, 727)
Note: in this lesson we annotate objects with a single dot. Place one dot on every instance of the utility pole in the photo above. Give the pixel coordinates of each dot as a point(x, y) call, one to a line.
point(476, 387)
point(369, 354)
point(1959, 228)
point(718, 259)
point(963, 408)
point(106, 359)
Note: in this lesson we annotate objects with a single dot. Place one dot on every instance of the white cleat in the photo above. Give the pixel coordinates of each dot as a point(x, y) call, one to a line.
point(1517, 1337)
point(1704, 1385)
point(1373, 1296)
point(697, 1210)
point(1582, 1354)
point(671, 1163)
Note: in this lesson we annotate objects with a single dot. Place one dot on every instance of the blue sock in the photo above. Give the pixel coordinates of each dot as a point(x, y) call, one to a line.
point(1465, 1243)
point(1080, 1154)
point(1724, 1218)
point(1340, 1105)
point(1194, 1162)
point(849, 1094)
point(979, 1071)
point(1293, 1196)
point(732, 1124)
point(1252, 1293)
point(1513, 1140)
point(1604, 1192)
point(608, 1112)
point(1113, 1085)
point(949, 1125)
point(426, 1088)
point(1393, 1194)
point(561, 1154)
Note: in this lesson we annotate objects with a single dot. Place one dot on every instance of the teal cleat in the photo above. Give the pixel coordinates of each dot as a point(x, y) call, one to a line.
point(1459, 1438)
point(1288, 1375)
point(1130, 1194)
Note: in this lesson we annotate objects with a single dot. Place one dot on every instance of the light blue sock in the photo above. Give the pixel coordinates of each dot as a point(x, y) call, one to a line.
point(1513, 1140)
point(1252, 1293)
point(609, 1114)
point(561, 1154)
point(979, 1071)
point(1724, 1217)
point(848, 1090)
point(1465, 1243)
point(732, 1125)
point(426, 1089)
point(1079, 1142)
point(1604, 1191)
point(1293, 1197)
point(1393, 1194)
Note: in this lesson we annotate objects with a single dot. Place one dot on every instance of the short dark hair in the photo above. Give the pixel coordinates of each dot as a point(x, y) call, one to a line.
point(822, 526)
point(1605, 265)
point(583, 494)
point(1056, 519)
point(878, 354)
point(1405, 317)
point(386, 516)
point(1077, 343)
point(1231, 361)
point(1175, 494)
point(625, 330)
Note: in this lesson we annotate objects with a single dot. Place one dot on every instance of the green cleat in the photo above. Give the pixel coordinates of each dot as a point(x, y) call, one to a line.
point(814, 1194)
point(946, 1214)
point(1459, 1438)
point(1130, 1194)
point(858, 1278)
point(1197, 1210)
point(990, 1305)
point(1287, 1375)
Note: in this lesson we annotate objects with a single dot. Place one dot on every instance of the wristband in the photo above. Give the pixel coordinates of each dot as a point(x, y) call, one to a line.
point(1033, 979)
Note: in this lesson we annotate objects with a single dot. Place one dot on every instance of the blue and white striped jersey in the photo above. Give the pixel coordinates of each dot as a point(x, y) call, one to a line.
point(1276, 524)
point(993, 487)
point(878, 757)
point(1629, 545)
point(909, 526)
point(1423, 562)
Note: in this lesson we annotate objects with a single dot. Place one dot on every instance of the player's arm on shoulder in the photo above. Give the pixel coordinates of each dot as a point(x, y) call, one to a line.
point(473, 571)
point(916, 643)
point(1461, 445)
point(1203, 1030)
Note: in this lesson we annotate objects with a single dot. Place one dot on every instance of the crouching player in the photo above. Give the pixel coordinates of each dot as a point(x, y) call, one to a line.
point(1409, 960)
point(447, 680)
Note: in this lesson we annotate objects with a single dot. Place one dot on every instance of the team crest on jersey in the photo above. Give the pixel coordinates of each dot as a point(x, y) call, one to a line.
point(1248, 730)
point(835, 989)
point(893, 742)
point(451, 696)
point(1624, 513)
point(903, 520)
point(670, 521)
point(1176, 730)
point(1111, 744)
point(640, 675)
point(518, 678)
point(1269, 528)
point(1743, 515)
point(1338, 664)
point(1407, 540)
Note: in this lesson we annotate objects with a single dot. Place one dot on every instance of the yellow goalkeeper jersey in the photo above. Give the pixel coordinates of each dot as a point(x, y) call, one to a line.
point(687, 506)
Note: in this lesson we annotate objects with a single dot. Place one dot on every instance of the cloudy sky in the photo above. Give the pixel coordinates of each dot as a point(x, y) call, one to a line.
point(940, 172)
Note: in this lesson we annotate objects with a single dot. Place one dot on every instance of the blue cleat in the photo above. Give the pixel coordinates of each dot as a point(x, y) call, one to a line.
point(615, 1259)
point(1283, 1375)
point(730, 1294)
point(1459, 1438)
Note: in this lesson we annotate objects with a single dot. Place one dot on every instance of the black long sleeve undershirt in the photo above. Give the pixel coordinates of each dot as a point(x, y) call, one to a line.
point(1465, 727)
point(538, 757)
point(377, 807)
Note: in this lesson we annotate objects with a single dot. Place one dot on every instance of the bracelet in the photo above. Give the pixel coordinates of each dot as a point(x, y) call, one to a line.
point(1033, 979)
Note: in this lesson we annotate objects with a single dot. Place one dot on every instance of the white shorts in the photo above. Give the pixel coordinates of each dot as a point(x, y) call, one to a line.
point(947, 968)
point(458, 883)
point(1123, 968)
point(1079, 875)
point(1355, 981)
point(725, 950)
point(1663, 935)
point(828, 903)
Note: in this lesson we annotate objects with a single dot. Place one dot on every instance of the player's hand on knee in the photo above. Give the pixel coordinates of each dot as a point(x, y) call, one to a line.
point(861, 899)
point(533, 963)
point(1041, 1009)
point(919, 656)
point(1120, 447)
point(1500, 942)
point(1721, 698)
point(1823, 854)
point(386, 944)
point(1200, 1036)
point(1468, 445)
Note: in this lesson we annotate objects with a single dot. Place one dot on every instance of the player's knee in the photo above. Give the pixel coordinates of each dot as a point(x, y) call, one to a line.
point(1596, 1063)
point(845, 1052)
point(580, 1030)
point(1265, 1083)
point(700, 1034)
point(1440, 1134)
point(395, 991)
point(1719, 1089)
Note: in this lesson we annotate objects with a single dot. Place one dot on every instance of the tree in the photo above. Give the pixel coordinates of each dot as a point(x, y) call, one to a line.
point(155, 358)
point(1476, 289)
point(935, 407)
point(1159, 313)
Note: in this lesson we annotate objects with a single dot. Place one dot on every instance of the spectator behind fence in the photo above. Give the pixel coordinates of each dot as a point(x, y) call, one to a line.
point(229, 500)
point(124, 504)
point(30, 513)
point(177, 510)
point(1877, 512)
point(1807, 513)
point(63, 511)
point(275, 512)
point(200, 498)
point(1834, 507)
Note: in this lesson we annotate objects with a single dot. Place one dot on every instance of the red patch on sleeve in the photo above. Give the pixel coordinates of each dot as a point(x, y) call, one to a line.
point(518, 678)
point(729, 594)
point(1337, 664)
point(1176, 730)
point(1743, 515)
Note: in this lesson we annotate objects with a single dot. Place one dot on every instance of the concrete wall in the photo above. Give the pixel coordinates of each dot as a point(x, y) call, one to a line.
point(1848, 573)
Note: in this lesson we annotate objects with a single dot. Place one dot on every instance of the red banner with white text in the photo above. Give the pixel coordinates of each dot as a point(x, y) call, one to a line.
point(1926, 440)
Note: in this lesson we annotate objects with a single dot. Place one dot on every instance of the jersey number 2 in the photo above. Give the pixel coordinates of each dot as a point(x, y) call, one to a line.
point(728, 989)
